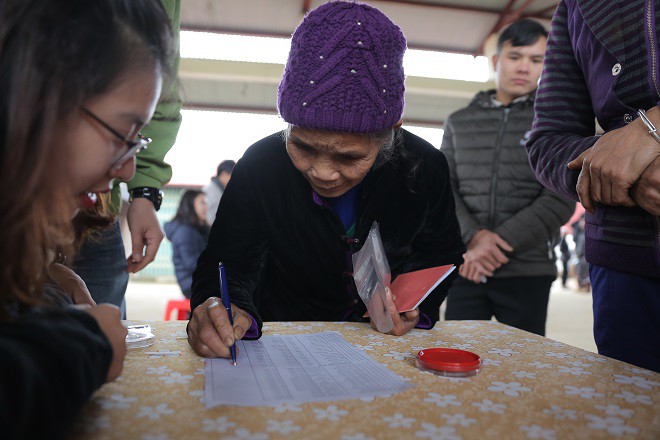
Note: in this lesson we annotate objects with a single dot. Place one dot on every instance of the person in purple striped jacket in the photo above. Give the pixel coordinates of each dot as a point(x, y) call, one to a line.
point(603, 62)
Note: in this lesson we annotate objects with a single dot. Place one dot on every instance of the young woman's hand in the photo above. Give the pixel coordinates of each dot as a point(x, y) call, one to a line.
point(108, 317)
point(71, 284)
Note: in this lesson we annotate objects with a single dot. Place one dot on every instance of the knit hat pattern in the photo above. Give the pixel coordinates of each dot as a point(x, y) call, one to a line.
point(345, 70)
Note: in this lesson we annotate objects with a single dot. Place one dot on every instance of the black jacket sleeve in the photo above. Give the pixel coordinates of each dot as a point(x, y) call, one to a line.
point(439, 242)
point(50, 364)
point(238, 240)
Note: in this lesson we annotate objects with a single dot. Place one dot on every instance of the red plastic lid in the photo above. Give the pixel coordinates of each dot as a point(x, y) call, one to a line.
point(448, 359)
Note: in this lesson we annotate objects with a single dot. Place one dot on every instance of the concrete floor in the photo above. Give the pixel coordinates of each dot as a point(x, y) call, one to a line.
point(570, 318)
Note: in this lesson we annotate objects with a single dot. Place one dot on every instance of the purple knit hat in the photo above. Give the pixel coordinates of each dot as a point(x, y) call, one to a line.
point(345, 70)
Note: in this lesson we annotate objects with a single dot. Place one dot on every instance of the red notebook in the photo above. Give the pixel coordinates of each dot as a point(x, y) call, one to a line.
point(412, 288)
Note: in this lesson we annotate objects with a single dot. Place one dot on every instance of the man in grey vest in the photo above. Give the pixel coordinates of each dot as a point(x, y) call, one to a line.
point(509, 221)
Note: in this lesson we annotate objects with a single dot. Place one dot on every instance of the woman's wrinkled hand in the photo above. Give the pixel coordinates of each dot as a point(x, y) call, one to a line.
point(209, 332)
point(403, 322)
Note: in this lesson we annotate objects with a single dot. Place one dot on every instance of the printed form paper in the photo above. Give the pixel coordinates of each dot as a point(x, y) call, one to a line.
point(297, 369)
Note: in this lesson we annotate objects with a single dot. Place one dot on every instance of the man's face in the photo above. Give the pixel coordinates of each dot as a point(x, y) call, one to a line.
point(518, 69)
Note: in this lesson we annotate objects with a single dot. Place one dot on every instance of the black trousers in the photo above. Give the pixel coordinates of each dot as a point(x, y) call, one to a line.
point(520, 302)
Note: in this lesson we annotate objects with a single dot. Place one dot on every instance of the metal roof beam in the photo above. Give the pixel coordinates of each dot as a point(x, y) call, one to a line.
point(254, 33)
point(542, 12)
point(429, 4)
point(505, 17)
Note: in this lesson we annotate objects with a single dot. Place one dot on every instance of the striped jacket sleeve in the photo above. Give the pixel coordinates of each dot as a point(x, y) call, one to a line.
point(564, 121)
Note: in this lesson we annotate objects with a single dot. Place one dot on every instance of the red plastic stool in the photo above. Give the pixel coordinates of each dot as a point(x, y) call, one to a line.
point(181, 306)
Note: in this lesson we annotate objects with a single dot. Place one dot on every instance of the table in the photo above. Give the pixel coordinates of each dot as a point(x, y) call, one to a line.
point(530, 387)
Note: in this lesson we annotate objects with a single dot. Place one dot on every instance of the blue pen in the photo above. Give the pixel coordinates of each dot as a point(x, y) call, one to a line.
point(226, 301)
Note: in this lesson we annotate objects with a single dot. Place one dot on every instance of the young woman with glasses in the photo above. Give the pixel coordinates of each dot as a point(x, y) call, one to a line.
point(78, 80)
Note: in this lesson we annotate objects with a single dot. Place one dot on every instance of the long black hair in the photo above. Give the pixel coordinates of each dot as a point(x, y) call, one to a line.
point(186, 214)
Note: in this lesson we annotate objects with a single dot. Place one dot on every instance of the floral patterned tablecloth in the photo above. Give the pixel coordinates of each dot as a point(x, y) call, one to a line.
point(529, 387)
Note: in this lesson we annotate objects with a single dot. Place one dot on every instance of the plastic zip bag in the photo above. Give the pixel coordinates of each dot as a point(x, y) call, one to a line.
point(372, 276)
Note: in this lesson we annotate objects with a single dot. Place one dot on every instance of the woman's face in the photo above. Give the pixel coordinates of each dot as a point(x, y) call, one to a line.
point(331, 162)
point(92, 149)
point(200, 206)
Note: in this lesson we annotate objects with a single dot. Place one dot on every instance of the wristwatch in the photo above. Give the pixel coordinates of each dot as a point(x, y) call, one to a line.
point(154, 195)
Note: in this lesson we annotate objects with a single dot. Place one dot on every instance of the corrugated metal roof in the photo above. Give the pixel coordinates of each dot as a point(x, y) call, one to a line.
point(444, 25)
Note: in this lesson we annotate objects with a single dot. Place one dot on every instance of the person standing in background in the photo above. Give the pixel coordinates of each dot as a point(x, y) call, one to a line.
point(188, 232)
point(509, 221)
point(582, 267)
point(603, 62)
point(106, 249)
point(565, 255)
point(216, 188)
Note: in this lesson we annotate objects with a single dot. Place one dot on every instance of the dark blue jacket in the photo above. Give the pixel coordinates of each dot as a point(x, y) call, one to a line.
point(187, 243)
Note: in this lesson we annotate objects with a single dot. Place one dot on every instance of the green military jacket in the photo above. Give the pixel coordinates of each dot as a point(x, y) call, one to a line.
point(151, 168)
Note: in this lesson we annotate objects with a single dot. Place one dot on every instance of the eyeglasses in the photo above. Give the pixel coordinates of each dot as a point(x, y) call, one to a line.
point(135, 146)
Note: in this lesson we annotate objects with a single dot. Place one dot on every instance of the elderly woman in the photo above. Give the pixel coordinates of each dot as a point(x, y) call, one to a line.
point(300, 202)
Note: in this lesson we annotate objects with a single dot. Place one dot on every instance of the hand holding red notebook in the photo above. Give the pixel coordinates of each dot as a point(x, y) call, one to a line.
point(411, 288)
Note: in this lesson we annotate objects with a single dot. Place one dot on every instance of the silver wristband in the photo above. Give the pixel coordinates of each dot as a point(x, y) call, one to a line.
point(652, 130)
